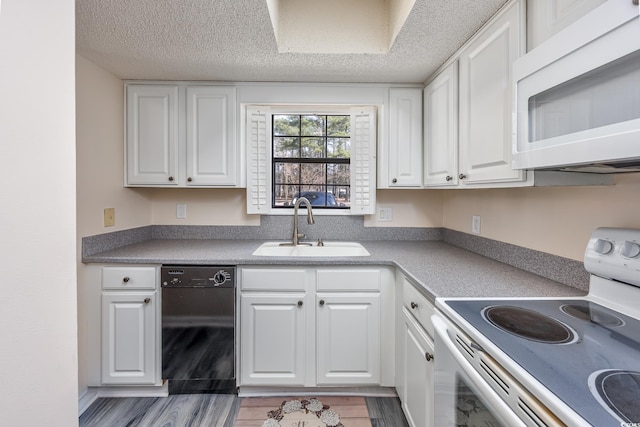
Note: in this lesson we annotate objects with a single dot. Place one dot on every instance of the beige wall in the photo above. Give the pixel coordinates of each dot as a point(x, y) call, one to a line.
point(100, 145)
point(557, 220)
point(100, 171)
point(38, 355)
point(410, 208)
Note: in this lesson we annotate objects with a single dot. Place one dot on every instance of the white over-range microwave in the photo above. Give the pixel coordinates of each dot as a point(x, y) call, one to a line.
point(578, 93)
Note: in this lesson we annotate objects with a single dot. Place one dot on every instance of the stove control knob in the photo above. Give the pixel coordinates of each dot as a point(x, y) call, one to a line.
point(630, 250)
point(603, 247)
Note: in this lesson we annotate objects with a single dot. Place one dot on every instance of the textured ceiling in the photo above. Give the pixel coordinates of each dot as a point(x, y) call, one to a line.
point(233, 40)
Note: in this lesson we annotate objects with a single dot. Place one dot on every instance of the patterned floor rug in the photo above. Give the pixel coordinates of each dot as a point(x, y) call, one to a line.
point(324, 411)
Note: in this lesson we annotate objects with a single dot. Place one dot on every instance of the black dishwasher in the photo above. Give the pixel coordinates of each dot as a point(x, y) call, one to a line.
point(198, 328)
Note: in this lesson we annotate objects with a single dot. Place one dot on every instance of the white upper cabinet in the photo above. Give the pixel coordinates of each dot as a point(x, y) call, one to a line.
point(152, 135)
point(401, 161)
point(547, 17)
point(182, 136)
point(441, 129)
point(211, 148)
point(486, 100)
point(468, 110)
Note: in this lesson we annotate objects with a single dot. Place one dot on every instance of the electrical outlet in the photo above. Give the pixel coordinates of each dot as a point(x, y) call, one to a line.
point(109, 217)
point(385, 214)
point(475, 224)
point(181, 211)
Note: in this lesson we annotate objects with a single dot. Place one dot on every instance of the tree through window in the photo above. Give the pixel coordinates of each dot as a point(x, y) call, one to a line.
point(311, 158)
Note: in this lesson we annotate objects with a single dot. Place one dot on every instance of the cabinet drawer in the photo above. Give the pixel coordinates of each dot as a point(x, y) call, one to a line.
point(418, 305)
point(352, 280)
point(274, 279)
point(129, 278)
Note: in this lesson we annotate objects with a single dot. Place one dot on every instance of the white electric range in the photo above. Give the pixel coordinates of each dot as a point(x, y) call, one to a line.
point(546, 361)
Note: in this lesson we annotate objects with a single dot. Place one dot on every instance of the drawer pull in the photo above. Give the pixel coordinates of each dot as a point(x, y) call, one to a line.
point(300, 303)
point(321, 302)
point(449, 178)
point(147, 300)
point(414, 305)
point(126, 279)
point(428, 356)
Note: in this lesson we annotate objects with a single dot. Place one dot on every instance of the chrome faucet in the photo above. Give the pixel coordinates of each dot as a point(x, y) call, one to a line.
point(295, 240)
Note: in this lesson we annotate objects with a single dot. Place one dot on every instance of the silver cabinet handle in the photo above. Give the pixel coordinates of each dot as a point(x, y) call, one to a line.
point(171, 179)
point(126, 279)
point(449, 178)
point(189, 179)
point(394, 180)
point(414, 305)
point(462, 176)
point(147, 300)
point(428, 356)
point(300, 303)
point(321, 302)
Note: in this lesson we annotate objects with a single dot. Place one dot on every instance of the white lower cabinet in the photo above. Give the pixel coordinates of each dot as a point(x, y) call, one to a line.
point(123, 306)
point(273, 338)
point(418, 353)
point(348, 329)
point(129, 337)
point(415, 356)
point(307, 327)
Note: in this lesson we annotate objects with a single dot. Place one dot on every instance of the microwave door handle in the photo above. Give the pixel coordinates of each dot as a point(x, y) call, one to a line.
point(506, 414)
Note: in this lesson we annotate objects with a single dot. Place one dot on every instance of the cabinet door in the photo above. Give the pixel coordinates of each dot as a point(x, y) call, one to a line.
point(129, 345)
point(152, 135)
point(405, 137)
point(547, 17)
point(417, 402)
point(441, 129)
point(487, 102)
point(348, 345)
point(211, 146)
point(273, 339)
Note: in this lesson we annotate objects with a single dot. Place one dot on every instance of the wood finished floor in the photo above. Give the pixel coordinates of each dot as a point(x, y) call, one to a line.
point(196, 410)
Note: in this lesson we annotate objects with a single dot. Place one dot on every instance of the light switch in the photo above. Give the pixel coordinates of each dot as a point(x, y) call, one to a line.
point(181, 211)
point(475, 224)
point(109, 217)
point(385, 215)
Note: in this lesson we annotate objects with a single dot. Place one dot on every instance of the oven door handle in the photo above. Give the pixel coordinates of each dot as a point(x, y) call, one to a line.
point(503, 410)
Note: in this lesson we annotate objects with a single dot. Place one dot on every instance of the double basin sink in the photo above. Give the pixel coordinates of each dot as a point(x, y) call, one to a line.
point(328, 249)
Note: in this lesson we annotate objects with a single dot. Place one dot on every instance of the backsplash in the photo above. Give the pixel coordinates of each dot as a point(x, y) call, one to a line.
point(564, 270)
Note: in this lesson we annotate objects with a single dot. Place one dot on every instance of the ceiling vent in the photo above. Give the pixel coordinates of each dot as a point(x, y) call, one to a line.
point(337, 26)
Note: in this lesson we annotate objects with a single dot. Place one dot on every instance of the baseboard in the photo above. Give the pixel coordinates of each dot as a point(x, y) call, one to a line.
point(86, 399)
point(374, 391)
point(93, 393)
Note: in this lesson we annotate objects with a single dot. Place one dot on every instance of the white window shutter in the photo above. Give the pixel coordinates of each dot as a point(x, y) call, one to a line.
point(363, 160)
point(258, 160)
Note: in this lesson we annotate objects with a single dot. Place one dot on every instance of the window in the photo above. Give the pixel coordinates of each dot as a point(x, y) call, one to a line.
point(326, 154)
point(311, 158)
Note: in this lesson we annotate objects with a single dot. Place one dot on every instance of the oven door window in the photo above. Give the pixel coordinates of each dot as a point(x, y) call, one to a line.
point(470, 409)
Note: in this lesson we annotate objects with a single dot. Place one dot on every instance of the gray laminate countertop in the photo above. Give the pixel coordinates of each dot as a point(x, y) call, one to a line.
point(437, 268)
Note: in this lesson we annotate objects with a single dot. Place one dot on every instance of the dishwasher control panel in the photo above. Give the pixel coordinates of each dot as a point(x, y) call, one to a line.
point(197, 276)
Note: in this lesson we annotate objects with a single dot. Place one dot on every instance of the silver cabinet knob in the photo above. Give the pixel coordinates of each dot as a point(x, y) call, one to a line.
point(321, 302)
point(462, 176)
point(147, 300)
point(126, 279)
point(300, 303)
point(428, 356)
point(171, 179)
point(189, 179)
point(449, 178)
point(414, 305)
point(394, 180)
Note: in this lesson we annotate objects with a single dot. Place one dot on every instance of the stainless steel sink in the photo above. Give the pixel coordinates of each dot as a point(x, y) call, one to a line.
point(329, 249)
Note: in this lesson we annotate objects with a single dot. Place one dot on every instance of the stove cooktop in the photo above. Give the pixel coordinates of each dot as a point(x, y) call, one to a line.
point(585, 354)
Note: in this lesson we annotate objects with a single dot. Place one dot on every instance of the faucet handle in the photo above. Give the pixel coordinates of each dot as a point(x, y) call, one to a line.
point(301, 235)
